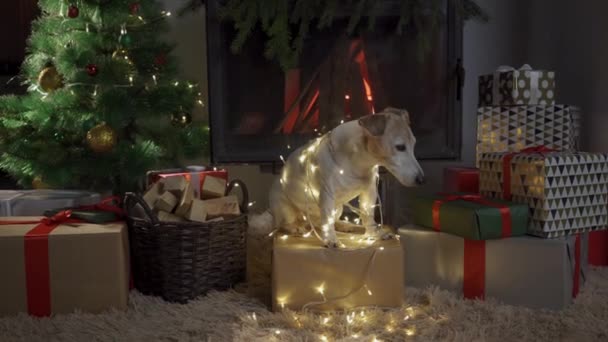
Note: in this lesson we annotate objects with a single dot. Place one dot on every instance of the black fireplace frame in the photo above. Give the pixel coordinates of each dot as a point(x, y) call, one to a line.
point(220, 153)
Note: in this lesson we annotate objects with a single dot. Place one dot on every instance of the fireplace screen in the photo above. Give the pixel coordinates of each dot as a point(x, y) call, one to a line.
point(259, 111)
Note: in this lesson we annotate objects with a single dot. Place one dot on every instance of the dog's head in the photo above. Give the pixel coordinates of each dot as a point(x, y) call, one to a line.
point(390, 140)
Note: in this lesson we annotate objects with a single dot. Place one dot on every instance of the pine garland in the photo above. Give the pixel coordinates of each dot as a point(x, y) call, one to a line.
point(287, 23)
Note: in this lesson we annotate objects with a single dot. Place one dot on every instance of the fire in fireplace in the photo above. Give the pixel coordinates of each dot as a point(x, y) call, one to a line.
point(259, 111)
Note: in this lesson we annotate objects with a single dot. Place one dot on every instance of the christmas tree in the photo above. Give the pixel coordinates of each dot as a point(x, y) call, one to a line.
point(103, 103)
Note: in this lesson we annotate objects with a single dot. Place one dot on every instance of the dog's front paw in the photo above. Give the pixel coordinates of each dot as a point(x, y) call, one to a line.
point(331, 241)
point(379, 234)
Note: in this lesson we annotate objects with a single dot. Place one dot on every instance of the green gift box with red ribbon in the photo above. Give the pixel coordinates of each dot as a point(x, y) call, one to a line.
point(471, 216)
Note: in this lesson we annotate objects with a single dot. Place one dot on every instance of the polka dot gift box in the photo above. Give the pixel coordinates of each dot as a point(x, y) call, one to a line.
point(510, 87)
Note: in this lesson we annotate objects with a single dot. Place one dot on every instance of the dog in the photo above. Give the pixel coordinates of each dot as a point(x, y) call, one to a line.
point(330, 171)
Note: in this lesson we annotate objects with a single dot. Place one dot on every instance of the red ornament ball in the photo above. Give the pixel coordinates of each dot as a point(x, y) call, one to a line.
point(92, 69)
point(160, 60)
point(134, 8)
point(73, 11)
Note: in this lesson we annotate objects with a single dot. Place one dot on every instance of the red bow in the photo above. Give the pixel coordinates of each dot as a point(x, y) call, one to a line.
point(505, 212)
point(506, 167)
point(109, 204)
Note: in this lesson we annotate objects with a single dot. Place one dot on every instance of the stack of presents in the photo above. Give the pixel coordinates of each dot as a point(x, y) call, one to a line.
point(515, 228)
point(62, 251)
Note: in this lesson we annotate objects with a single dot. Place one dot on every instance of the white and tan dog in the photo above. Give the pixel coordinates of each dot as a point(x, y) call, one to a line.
point(322, 176)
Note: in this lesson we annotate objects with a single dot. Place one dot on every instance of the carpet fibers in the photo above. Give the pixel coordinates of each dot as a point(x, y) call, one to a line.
point(428, 315)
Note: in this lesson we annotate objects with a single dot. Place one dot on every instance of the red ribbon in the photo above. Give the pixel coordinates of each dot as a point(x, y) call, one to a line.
point(109, 204)
point(474, 273)
point(36, 250)
point(506, 167)
point(505, 212)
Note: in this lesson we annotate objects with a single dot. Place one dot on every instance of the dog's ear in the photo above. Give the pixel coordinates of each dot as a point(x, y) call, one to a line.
point(374, 124)
point(401, 112)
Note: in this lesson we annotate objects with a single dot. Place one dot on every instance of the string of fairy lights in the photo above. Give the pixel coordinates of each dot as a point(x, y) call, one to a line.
point(353, 323)
point(313, 194)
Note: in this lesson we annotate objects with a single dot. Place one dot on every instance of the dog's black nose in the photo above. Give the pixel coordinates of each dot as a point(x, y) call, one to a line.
point(420, 179)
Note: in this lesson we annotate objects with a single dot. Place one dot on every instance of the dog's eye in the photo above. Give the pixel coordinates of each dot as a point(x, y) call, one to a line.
point(400, 147)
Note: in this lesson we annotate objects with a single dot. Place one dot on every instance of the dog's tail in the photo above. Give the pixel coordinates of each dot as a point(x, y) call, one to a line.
point(260, 224)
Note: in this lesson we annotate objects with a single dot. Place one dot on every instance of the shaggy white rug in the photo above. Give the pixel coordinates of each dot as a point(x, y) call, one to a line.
point(429, 315)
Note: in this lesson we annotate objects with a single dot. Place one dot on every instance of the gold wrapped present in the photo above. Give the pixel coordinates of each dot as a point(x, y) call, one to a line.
point(307, 275)
point(57, 268)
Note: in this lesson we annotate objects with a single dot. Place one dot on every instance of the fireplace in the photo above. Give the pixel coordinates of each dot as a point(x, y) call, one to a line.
point(259, 112)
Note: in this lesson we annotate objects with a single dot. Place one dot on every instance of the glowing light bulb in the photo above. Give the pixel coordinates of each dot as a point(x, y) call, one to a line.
point(302, 158)
point(200, 102)
point(278, 332)
point(250, 204)
point(342, 121)
point(131, 80)
point(176, 84)
point(341, 172)
point(347, 97)
point(381, 248)
point(154, 78)
point(406, 317)
point(321, 288)
point(304, 218)
point(284, 237)
point(190, 86)
point(271, 234)
point(282, 302)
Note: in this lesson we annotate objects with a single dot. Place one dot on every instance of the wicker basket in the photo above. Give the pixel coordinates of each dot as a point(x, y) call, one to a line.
point(179, 261)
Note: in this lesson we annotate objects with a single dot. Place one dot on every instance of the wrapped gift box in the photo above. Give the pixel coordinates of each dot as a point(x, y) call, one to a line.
point(470, 216)
point(36, 202)
point(50, 269)
point(461, 179)
point(526, 271)
point(566, 192)
point(307, 275)
point(598, 248)
point(259, 267)
point(511, 129)
point(194, 174)
point(510, 87)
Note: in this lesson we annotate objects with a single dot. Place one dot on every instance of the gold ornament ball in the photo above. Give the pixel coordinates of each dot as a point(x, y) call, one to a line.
point(181, 119)
point(49, 79)
point(39, 184)
point(101, 138)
